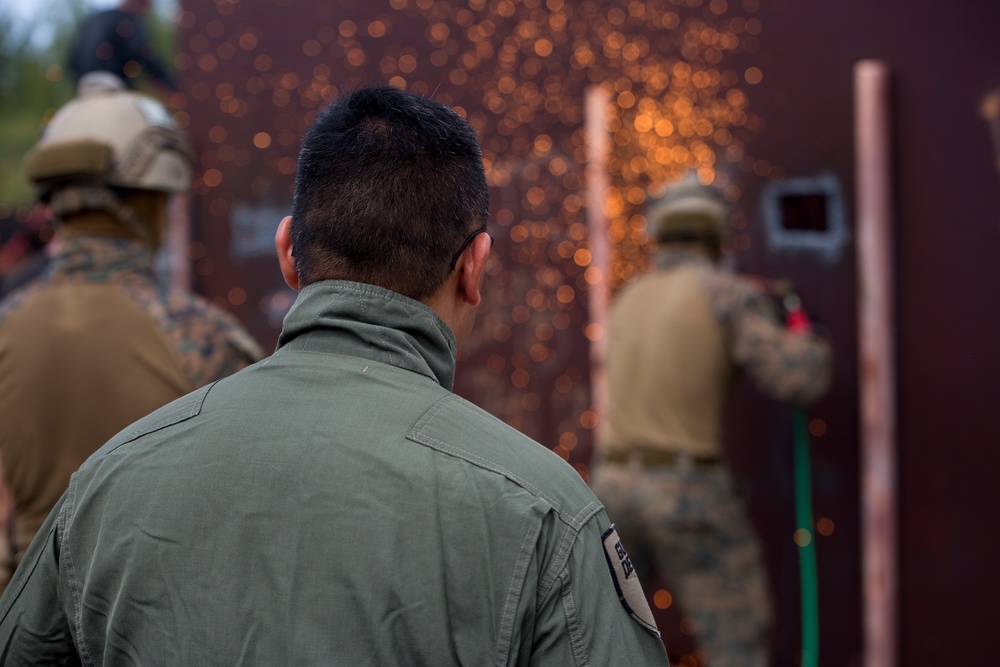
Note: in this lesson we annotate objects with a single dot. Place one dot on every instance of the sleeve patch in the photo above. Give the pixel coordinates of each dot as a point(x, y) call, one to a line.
point(627, 581)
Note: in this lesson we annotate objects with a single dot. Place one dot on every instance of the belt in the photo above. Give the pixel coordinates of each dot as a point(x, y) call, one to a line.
point(660, 459)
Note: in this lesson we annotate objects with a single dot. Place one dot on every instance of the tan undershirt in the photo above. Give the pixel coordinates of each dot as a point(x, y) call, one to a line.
point(668, 368)
point(99, 362)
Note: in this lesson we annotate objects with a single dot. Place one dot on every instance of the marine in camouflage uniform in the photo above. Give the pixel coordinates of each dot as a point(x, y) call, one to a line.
point(677, 340)
point(98, 342)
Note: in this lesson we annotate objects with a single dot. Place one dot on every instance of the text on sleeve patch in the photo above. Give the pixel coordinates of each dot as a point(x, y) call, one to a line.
point(627, 581)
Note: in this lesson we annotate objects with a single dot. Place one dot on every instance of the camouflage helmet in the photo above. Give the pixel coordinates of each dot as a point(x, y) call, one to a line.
point(689, 210)
point(110, 136)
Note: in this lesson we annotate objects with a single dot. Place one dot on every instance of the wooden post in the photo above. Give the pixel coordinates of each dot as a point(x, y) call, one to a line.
point(176, 265)
point(598, 296)
point(877, 356)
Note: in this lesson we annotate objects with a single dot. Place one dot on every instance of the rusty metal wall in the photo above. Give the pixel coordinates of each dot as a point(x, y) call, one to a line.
point(753, 94)
point(947, 230)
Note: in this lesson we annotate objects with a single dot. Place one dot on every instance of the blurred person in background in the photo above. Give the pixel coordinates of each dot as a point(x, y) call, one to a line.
point(677, 339)
point(337, 503)
point(97, 342)
point(117, 41)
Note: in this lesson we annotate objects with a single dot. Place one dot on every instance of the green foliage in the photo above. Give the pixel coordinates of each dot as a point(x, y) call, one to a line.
point(34, 82)
point(163, 33)
point(32, 85)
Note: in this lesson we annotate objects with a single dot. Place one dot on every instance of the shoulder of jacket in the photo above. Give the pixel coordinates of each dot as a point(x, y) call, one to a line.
point(730, 293)
point(175, 412)
point(725, 278)
point(197, 312)
point(458, 428)
point(20, 297)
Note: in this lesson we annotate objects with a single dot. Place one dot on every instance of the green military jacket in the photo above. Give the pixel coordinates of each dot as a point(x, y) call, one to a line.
point(333, 504)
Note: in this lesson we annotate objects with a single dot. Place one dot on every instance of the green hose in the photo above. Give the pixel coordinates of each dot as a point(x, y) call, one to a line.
point(806, 542)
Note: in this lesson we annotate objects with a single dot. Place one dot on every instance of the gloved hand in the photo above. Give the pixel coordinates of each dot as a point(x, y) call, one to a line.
point(796, 318)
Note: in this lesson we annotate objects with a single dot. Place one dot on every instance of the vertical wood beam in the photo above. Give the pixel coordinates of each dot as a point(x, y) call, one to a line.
point(877, 361)
point(599, 291)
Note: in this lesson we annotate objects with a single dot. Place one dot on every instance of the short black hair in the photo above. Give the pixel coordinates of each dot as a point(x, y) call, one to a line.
point(389, 184)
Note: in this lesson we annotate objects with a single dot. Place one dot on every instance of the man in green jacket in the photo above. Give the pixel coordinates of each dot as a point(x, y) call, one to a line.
point(336, 503)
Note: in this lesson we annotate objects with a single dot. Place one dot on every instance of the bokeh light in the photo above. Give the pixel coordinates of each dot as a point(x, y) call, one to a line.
point(519, 71)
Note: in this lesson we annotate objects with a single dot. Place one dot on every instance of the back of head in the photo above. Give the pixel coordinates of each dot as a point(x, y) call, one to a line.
point(690, 212)
point(389, 184)
point(105, 147)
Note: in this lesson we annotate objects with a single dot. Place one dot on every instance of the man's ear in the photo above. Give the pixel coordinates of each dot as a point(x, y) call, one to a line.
point(283, 244)
point(471, 268)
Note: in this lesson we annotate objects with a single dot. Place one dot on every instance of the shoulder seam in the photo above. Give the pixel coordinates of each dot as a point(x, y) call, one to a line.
point(516, 586)
point(566, 546)
point(418, 435)
point(169, 419)
point(66, 553)
point(573, 627)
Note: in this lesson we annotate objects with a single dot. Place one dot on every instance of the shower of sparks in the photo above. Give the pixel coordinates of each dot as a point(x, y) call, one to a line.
point(518, 70)
point(675, 106)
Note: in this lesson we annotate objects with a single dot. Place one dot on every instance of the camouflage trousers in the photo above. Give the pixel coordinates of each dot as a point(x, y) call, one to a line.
point(687, 525)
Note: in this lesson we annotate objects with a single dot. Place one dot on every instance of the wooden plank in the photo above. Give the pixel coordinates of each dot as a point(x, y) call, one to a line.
point(877, 361)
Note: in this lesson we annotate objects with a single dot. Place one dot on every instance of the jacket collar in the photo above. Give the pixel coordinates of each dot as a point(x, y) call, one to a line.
point(355, 319)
